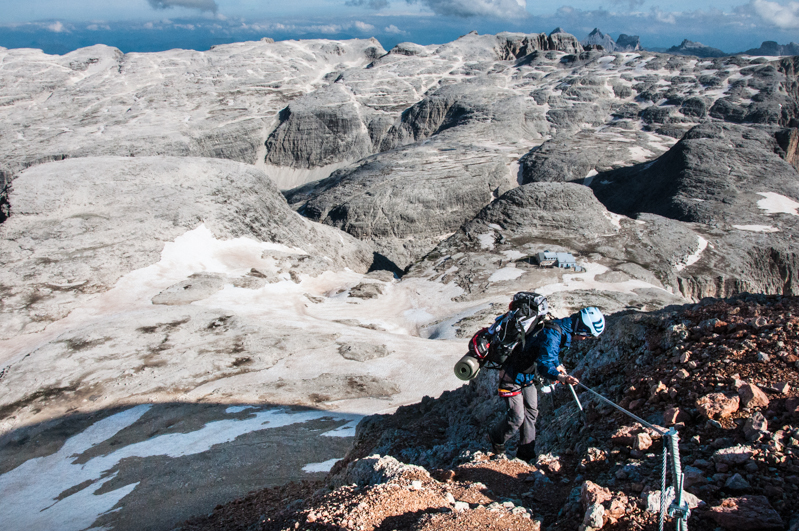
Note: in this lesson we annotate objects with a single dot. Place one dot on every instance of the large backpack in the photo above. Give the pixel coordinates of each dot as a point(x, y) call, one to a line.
point(493, 345)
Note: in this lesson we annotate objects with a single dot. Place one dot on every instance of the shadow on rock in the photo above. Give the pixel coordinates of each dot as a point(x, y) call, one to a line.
point(151, 466)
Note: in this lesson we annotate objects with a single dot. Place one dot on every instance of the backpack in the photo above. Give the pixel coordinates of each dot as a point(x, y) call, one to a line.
point(493, 345)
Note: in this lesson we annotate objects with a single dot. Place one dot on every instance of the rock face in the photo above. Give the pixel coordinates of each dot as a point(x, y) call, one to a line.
point(628, 43)
point(706, 177)
point(404, 203)
point(715, 176)
point(697, 49)
point(597, 38)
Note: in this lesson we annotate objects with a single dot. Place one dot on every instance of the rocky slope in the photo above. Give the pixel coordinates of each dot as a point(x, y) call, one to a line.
point(165, 310)
point(601, 110)
point(722, 372)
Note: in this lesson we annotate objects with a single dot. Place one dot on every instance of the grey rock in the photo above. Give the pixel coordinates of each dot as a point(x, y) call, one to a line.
point(374, 470)
point(197, 287)
point(575, 157)
point(736, 482)
point(628, 43)
point(653, 500)
point(774, 49)
point(362, 351)
point(594, 516)
point(597, 38)
point(404, 200)
point(755, 426)
point(697, 49)
point(735, 455)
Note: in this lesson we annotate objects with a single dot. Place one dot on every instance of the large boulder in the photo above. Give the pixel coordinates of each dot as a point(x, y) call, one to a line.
point(747, 513)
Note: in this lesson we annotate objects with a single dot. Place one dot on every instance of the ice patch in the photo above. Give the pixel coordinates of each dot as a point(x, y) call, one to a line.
point(757, 228)
point(506, 273)
point(347, 430)
point(324, 466)
point(486, 240)
point(777, 204)
point(693, 258)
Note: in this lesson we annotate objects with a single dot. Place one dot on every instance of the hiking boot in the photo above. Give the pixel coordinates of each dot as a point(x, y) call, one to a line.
point(527, 453)
point(499, 449)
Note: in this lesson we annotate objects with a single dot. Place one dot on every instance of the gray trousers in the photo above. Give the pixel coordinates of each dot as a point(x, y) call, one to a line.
point(522, 412)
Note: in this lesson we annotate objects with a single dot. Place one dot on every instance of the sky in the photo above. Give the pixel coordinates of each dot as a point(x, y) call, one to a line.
point(60, 26)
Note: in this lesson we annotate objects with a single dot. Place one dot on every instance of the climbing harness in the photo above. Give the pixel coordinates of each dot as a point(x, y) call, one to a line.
point(679, 508)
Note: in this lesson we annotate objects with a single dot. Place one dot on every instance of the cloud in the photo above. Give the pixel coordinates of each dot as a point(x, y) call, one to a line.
point(510, 9)
point(394, 30)
point(95, 27)
point(632, 4)
point(363, 26)
point(373, 4)
point(202, 5)
point(782, 16)
point(57, 27)
point(663, 16)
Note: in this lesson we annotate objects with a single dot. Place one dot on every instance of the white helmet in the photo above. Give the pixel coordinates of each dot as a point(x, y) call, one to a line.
point(592, 322)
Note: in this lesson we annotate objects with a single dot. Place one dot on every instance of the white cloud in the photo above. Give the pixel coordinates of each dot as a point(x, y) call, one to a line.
point(663, 16)
point(477, 8)
point(95, 27)
point(57, 27)
point(202, 5)
point(363, 26)
point(394, 30)
point(782, 16)
point(374, 4)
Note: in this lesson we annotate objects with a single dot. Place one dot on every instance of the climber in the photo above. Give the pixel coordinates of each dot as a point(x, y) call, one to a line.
point(530, 365)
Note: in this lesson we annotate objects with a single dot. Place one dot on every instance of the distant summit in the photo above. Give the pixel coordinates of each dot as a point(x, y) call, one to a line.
point(628, 43)
point(597, 38)
point(771, 48)
point(557, 30)
point(695, 48)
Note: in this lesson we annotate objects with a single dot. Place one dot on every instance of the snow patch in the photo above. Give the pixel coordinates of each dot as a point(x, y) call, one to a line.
point(506, 273)
point(757, 228)
point(693, 258)
point(324, 466)
point(590, 177)
point(777, 204)
point(486, 240)
point(513, 254)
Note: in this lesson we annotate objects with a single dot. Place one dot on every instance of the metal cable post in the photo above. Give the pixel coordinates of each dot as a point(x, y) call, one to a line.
point(677, 507)
point(662, 517)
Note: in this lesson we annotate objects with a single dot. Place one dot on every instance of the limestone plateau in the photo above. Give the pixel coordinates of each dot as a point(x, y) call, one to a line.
point(204, 255)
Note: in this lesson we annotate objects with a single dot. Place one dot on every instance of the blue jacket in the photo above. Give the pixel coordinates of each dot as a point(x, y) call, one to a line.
point(541, 351)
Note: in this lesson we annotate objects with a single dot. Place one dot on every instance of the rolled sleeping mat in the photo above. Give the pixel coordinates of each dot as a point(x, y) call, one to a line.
point(467, 367)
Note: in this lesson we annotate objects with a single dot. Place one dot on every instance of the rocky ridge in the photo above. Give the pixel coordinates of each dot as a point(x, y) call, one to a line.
point(676, 367)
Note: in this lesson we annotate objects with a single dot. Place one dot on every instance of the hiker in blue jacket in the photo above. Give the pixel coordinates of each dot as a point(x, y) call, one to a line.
point(526, 367)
